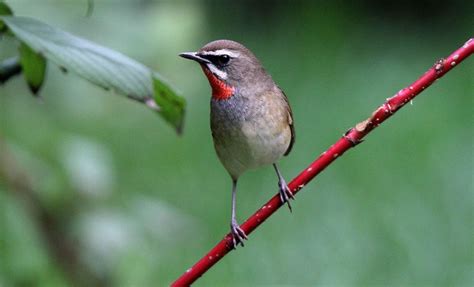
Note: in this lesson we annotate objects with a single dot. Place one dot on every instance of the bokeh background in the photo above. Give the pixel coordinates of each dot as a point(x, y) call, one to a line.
point(97, 190)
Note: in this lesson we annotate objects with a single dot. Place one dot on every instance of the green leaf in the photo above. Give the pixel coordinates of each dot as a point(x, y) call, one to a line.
point(4, 10)
point(34, 67)
point(99, 65)
point(172, 106)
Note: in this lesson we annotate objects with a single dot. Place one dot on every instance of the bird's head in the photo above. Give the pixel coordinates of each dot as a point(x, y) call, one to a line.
point(230, 66)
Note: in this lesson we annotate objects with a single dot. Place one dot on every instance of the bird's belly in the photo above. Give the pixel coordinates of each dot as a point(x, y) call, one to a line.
point(267, 142)
point(244, 143)
point(244, 149)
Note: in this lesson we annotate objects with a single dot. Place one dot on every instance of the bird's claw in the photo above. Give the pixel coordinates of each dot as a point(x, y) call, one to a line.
point(238, 235)
point(285, 193)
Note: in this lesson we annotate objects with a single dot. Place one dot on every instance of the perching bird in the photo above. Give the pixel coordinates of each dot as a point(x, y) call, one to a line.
point(251, 119)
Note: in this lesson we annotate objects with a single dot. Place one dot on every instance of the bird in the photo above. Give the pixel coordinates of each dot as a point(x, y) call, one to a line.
point(251, 118)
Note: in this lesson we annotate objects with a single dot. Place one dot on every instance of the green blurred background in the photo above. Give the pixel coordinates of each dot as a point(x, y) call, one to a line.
point(106, 194)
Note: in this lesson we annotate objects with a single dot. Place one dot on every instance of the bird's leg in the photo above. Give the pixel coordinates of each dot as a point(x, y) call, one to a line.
point(238, 235)
point(285, 193)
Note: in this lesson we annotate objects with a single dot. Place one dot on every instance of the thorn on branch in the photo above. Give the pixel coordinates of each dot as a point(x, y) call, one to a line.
point(388, 107)
point(348, 137)
point(439, 66)
point(362, 126)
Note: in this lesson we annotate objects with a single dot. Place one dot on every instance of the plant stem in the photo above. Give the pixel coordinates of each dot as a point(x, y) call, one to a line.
point(350, 139)
point(9, 68)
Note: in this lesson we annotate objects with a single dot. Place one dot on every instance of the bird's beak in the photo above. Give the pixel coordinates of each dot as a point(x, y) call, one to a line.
point(195, 57)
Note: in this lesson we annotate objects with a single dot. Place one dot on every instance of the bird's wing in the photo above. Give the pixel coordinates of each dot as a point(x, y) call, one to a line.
point(290, 123)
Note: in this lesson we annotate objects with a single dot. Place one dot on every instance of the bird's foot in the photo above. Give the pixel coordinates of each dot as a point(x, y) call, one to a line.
point(285, 193)
point(238, 235)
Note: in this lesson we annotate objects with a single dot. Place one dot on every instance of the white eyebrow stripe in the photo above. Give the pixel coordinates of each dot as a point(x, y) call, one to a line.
point(222, 52)
point(221, 74)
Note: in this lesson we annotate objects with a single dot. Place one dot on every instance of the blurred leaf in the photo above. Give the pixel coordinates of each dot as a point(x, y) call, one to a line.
point(172, 106)
point(34, 67)
point(90, 8)
point(4, 10)
point(99, 65)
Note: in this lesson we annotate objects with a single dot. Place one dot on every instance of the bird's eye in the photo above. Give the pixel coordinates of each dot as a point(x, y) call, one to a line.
point(224, 59)
point(218, 60)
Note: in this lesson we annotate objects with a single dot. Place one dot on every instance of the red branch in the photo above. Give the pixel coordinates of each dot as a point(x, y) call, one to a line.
point(350, 139)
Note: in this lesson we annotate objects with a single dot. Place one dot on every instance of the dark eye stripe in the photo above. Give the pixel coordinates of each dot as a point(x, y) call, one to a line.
point(218, 60)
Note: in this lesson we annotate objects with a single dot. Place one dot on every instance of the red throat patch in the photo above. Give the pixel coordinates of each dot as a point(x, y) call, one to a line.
point(220, 90)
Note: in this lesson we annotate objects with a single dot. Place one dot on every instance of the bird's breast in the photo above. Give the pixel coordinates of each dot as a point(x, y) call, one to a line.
point(249, 132)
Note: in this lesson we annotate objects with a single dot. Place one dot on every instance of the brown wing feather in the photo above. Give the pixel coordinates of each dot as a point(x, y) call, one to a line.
point(290, 123)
